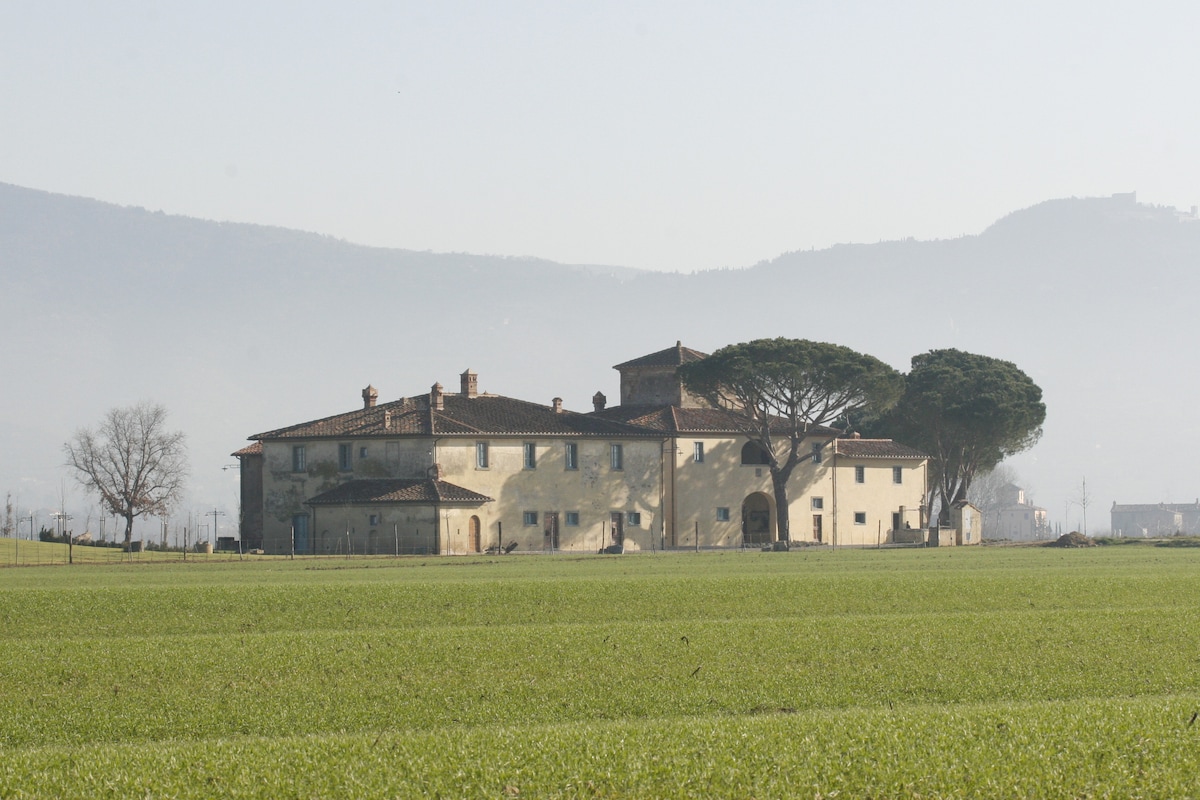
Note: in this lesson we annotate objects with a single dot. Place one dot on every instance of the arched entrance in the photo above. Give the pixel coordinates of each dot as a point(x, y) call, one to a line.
point(756, 519)
point(473, 539)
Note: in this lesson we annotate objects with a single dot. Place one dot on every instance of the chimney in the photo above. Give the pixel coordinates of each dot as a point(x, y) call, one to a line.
point(387, 419)
point(557, 405)
point(369, 396)
point(435, 472)
point(856, 435)
point(437, 398)
point(470, 384)
point(599, 401)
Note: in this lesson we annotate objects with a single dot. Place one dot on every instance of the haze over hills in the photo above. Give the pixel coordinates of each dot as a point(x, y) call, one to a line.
point(241, 328)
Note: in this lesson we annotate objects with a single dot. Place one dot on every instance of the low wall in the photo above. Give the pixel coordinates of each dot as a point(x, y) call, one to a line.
point(942, 537)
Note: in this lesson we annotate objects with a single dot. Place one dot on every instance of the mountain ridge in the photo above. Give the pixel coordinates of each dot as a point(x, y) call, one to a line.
point(239, 327)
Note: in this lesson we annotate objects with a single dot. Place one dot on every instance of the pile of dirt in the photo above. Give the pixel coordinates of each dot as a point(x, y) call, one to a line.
point(1073, 539)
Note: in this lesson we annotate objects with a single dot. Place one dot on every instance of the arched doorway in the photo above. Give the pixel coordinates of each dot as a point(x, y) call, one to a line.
point(474, 544)
point(756, 519)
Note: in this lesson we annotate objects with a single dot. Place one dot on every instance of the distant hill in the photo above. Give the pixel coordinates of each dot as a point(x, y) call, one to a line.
point(239, 328)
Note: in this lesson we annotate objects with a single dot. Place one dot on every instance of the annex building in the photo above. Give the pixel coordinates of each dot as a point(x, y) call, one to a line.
point(466, 472)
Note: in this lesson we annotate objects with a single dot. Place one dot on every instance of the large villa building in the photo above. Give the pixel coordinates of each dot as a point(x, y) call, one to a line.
point(466, 472)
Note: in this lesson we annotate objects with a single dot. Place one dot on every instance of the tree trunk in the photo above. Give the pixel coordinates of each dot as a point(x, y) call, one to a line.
point(128, 532)
point(779, 480)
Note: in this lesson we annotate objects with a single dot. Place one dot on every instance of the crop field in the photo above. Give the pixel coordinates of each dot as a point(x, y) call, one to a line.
point(993, 672)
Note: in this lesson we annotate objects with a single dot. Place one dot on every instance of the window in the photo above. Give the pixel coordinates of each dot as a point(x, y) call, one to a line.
point(860, 518)
point(529, 518)
point(362, 452)
point(633, 518)
point(530, 455)
point(860, 474)
point(897, 475)
point(572, 518)
point(753, 454)
point(481, 455)
point(698, 452)
point(374, 519)
point(722, 514)
point(345, 457)
point(298, 463)
point(571, 456)
point(818, 503)
point(816, 452)
point(617, 456)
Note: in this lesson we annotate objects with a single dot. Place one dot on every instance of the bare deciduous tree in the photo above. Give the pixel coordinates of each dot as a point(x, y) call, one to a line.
point(132, 462)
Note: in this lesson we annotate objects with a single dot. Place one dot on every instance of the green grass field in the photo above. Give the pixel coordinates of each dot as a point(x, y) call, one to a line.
point(995, 672)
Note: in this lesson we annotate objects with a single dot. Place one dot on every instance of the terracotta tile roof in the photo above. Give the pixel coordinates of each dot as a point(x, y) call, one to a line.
point(675, 420)
point(671, 357)
point(875, 448)
point(249, 450)
point(484, 414)
point(396, 490)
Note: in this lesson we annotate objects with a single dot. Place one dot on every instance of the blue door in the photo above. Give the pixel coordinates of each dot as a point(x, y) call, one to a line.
point(300, 533)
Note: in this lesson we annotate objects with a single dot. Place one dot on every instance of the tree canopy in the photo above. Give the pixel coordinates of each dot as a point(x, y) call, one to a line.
point(131, 461)
point(968, 412)
point(783, 388)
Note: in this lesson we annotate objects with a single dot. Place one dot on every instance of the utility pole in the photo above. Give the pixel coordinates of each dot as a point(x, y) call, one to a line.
point(62, 519)
point(214, 514)
point(1084, 499)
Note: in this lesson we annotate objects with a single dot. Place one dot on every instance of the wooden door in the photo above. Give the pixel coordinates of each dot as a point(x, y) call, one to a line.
point(473, 536)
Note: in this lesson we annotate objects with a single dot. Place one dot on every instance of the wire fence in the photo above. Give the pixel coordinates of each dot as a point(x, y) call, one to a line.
point(27, 553)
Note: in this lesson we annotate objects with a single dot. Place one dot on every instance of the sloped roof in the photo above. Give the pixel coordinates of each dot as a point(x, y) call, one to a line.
point(397, 490)
point(875, 448)
point(484, 414)
point(249, 450)
point(671, 420)
point(1173, 508)
point(671, 357)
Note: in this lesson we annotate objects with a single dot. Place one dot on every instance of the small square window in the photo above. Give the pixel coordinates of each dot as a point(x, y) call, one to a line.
point(818, 503)
point(481, 455)
point(860, 518)
point(374, 519)
point(633, 518)
point(897, 475)
point(530, 450)
point(571, 456)
point(298, 460)
point(860, 474)
point(617, 456)
point(722, 514)
point(362, 452)
point(529, 517)
point(698, 452)
point(572, 518)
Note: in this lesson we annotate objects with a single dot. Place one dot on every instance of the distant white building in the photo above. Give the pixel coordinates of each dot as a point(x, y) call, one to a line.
point(1014, 518)
point(1155, 519)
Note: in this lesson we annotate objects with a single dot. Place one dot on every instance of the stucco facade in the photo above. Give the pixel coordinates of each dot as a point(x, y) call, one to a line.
point(1155, 519)
point(1016, 519)
point(469, 472)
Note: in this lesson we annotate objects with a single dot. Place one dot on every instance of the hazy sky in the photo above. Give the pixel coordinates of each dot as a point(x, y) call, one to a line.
point(660, 135)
